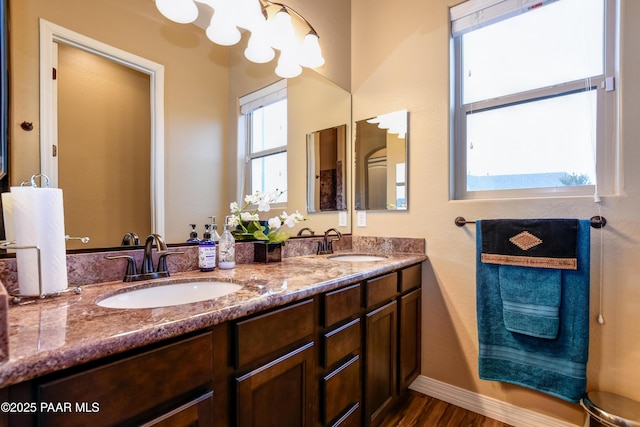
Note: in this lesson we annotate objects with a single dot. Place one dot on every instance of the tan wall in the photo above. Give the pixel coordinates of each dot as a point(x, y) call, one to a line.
point(196, 82)
point(104, 134)
point(407, 66)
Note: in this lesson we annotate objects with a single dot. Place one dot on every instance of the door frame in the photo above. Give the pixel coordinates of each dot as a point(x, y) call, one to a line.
point(50, 34)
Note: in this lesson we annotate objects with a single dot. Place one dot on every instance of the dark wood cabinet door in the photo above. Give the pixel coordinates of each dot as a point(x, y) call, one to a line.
point(409, 356)
point(280, 393)
point(341, 391)
point(197, 413)
point(381, 368)
point(130, 388)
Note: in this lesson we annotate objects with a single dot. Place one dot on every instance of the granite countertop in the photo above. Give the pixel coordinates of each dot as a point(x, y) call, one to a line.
point(47, 336)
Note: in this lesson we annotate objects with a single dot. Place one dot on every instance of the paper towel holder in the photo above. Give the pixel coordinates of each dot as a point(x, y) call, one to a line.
point(27, 299)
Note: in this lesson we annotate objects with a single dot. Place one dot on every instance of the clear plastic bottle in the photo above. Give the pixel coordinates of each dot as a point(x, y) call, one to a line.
point(227, 249)
point(193, 236)
point(207, 251)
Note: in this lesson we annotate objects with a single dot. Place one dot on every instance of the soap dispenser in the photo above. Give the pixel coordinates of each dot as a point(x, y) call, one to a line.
point(207, 251)
point(227, 249)
point(193, 236)
point(214, 230)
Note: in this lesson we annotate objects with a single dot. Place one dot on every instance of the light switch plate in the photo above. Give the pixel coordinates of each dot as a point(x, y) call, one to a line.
point(362, 218)
point(342, 219)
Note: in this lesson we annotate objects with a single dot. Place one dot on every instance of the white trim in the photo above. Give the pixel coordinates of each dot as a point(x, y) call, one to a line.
point(484, 405)
point(261, 97)
point(474, 14)
point(50, 34)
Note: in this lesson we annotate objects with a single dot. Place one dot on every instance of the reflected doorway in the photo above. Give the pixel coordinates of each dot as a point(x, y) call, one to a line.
point(104, 147)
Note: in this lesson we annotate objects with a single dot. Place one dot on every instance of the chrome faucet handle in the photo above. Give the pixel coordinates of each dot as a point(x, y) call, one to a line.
point(162, 260)
point(131, 272)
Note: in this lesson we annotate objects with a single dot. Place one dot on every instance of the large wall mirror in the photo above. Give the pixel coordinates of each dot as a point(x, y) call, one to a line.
point(381, 162)
point(327, 169)
point(196, 111)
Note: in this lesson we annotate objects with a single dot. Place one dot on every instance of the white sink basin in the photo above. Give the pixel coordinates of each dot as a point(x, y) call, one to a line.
point(357, 257)
point(168, 295)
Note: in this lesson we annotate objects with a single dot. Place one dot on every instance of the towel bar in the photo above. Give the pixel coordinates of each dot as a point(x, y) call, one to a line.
point(596, 221)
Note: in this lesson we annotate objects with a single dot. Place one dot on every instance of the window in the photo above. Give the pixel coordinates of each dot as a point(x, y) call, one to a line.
point(532, 98)
point(265, 112)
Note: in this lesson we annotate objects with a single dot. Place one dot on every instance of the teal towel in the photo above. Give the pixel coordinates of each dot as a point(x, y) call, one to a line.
point(557, 366)
point(530, 300)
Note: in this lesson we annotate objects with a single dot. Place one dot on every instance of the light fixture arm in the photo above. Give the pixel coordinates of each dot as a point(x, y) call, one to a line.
point(267, 3)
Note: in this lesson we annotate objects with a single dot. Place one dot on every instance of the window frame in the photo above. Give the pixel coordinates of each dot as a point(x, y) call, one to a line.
point(248, 105)
point(606, 116)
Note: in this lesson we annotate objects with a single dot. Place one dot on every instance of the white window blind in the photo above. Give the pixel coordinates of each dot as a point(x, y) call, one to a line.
point(264, 96)
point(474, 14)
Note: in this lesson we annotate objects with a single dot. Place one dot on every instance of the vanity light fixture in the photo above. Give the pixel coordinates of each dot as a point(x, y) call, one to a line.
point(272, 26)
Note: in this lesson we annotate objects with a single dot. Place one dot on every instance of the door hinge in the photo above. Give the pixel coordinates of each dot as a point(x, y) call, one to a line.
point(54, 73)
point(54, 150)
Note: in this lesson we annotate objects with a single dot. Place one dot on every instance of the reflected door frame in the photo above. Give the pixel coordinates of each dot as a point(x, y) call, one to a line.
point(50, 34)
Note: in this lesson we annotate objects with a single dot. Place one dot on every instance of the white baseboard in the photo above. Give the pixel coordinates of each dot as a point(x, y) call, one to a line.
point(483, 405)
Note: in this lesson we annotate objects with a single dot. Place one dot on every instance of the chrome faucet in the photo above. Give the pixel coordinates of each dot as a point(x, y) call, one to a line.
point(147, 261)
point(307, 229)
point(147, 271)
point(325, 246)
point(130, 239)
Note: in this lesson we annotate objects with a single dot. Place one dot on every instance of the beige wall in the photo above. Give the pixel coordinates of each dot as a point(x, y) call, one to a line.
point(196, 96)
point(406, 66)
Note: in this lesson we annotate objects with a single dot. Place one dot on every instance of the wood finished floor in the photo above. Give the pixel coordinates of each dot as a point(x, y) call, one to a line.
point(419, 410)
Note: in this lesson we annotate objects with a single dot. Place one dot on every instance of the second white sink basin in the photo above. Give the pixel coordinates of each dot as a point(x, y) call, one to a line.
point(169, 295)
point(357, 257)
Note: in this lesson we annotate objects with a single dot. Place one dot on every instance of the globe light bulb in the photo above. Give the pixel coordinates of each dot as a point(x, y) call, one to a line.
point(180, 11)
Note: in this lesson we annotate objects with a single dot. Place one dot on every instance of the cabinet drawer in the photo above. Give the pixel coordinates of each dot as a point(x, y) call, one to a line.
point(350, 419)
point(341, 342)
point(341, 304)
point(196, 412)
point(131, 386)
point(410, 278)
point(260, 336)
point(381, 289)
point(341, 390)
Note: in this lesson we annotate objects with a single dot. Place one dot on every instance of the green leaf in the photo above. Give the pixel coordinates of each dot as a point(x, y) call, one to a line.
point(259, 234)
point(278, 236)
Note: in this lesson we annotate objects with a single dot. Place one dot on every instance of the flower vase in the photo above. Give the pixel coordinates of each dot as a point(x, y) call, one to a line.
point(267, 252)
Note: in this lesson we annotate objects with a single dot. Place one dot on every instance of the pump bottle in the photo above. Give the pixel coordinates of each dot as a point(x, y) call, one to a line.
point(207, 251)
point(193, 236)
point(227, 249)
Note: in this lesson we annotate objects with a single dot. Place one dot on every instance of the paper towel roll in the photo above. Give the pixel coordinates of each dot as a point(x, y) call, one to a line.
point(7, 214)
point(38, 218)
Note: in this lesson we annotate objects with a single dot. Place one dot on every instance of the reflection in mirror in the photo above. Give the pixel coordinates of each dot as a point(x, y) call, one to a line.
point(197, 144)
point(326, 169)
point(381, 162)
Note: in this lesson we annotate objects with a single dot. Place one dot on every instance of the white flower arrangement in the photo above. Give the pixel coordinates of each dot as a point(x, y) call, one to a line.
point(246, 219)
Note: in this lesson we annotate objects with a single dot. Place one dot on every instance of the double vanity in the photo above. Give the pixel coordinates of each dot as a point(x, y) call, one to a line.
point(312, 340)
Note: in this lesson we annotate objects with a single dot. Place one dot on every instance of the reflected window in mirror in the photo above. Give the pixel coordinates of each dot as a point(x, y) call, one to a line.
point(266, 142)
point(381, 162)
point(326, 169)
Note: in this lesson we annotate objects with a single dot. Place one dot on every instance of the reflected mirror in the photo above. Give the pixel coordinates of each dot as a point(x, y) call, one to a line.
point(381, 162)
point(326, 169)
point(196, 128)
